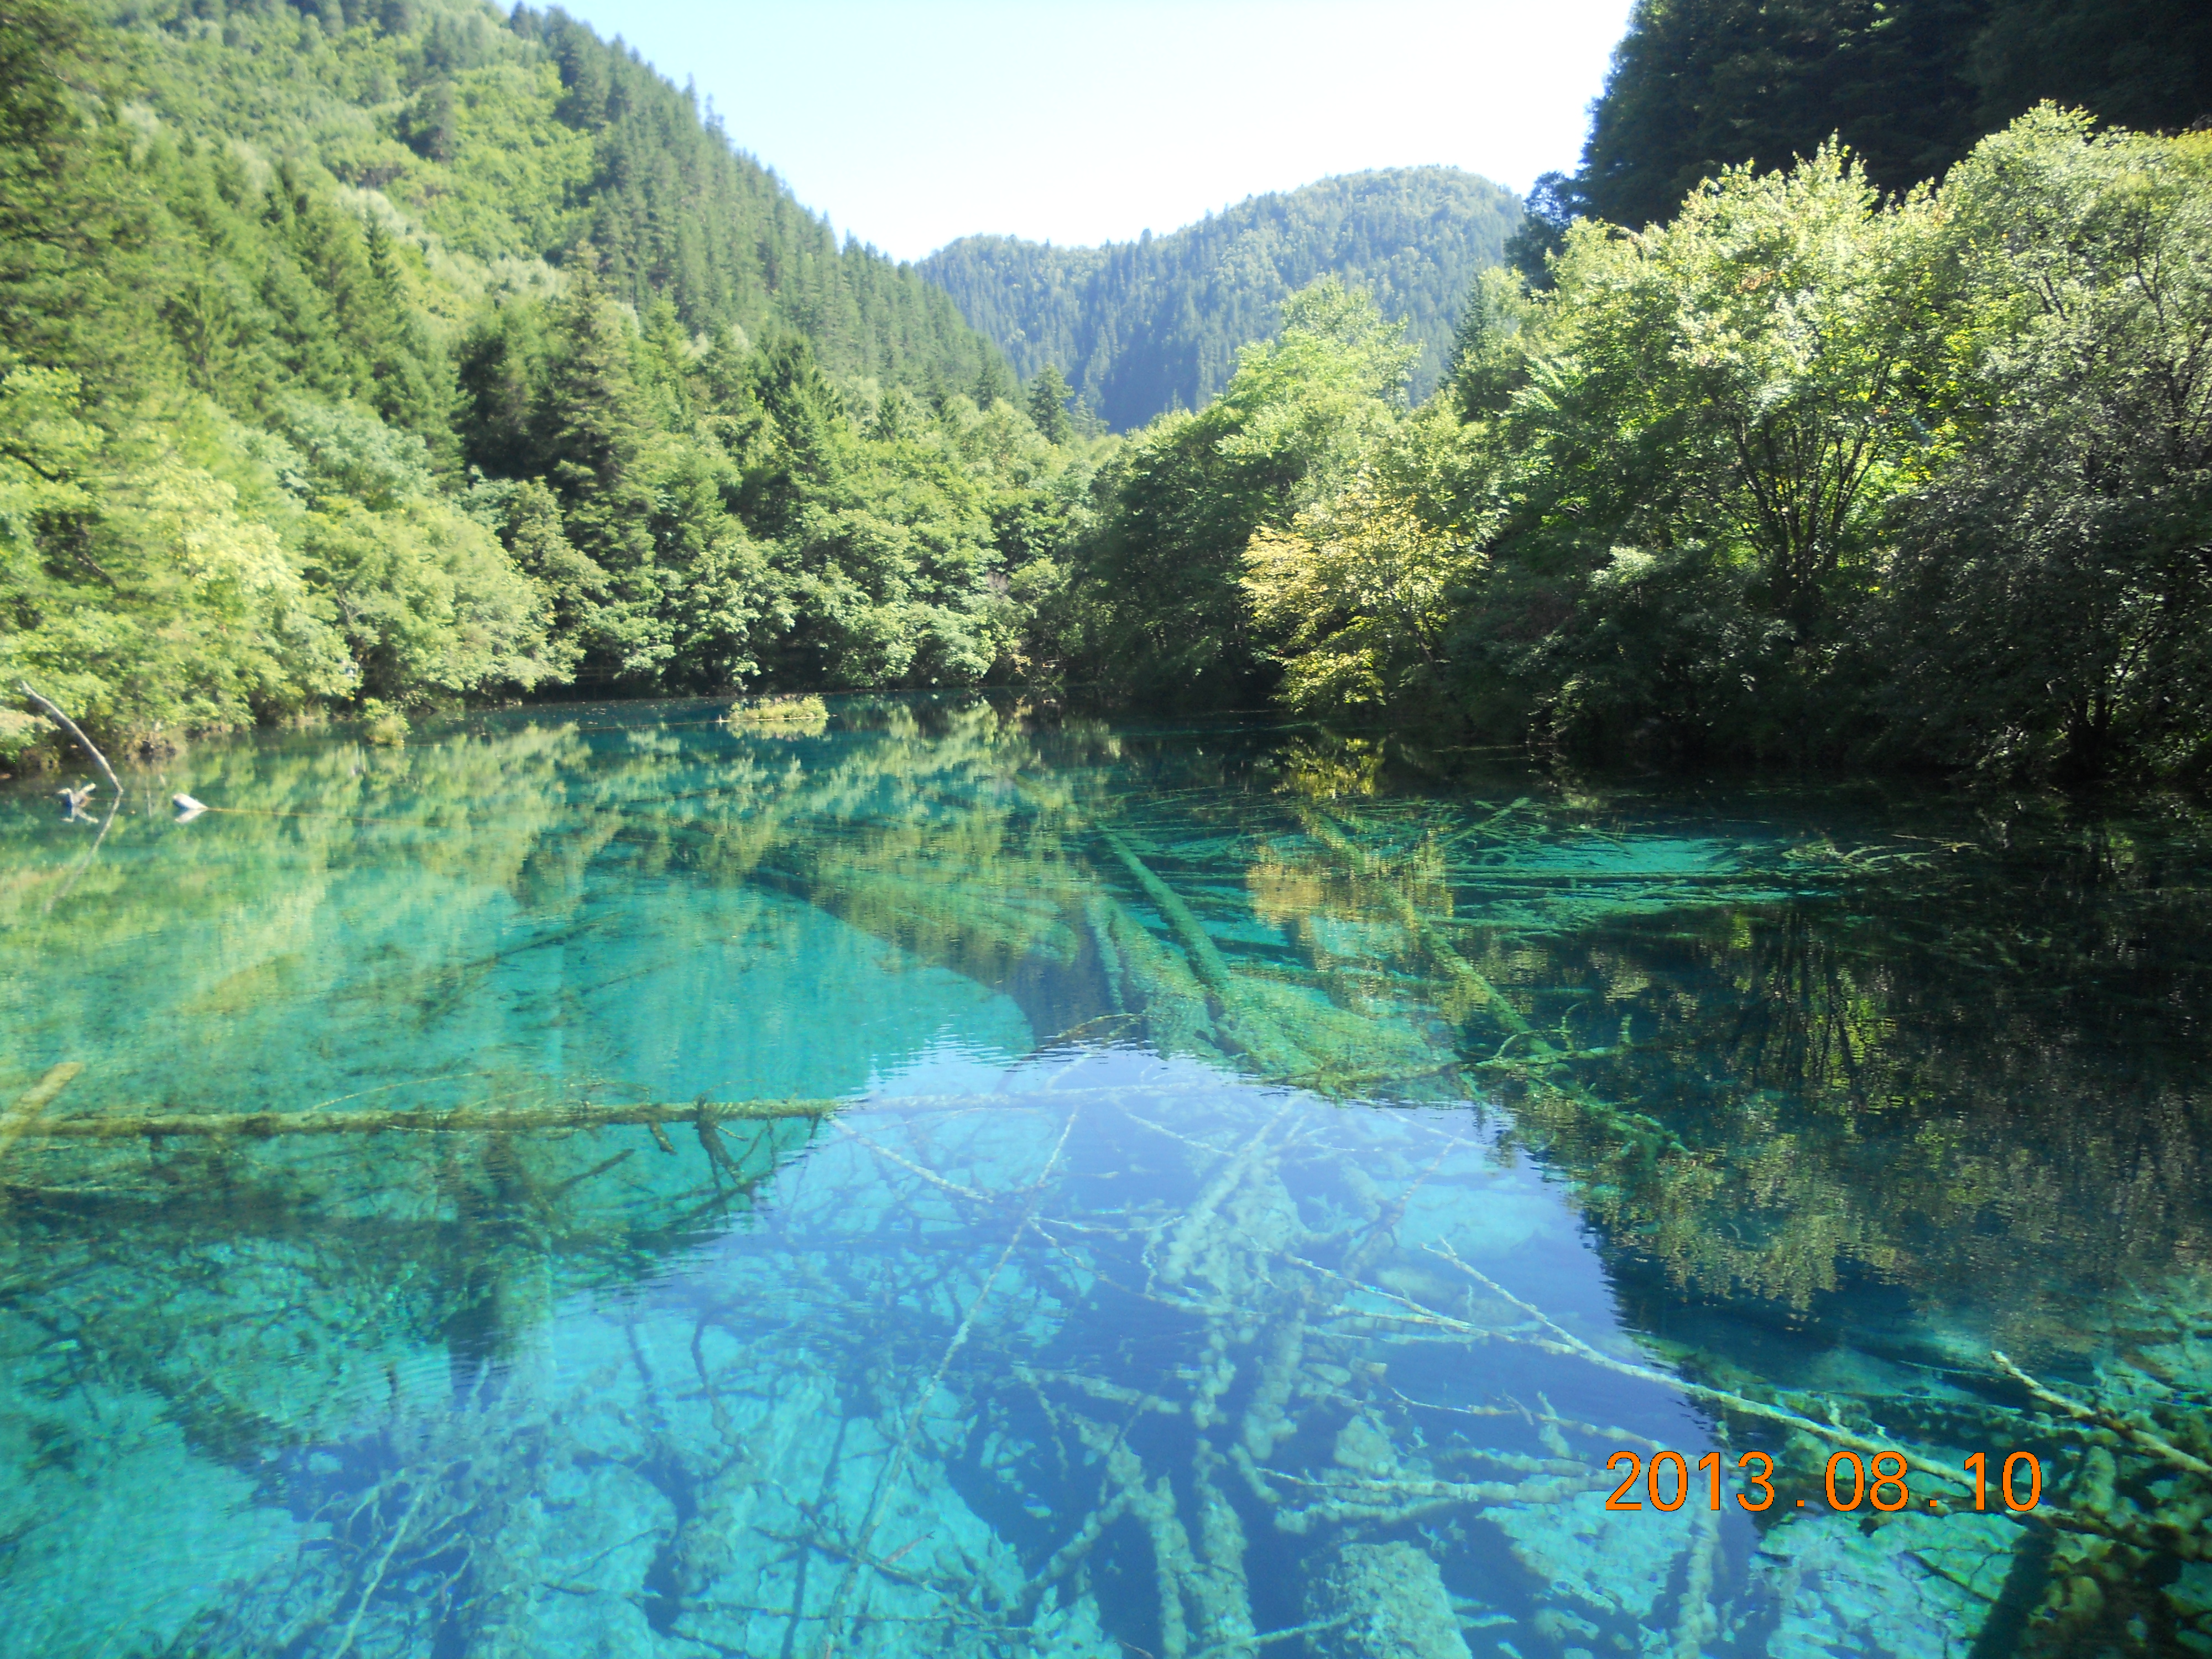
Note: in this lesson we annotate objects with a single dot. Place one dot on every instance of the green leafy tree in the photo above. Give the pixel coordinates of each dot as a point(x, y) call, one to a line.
point(427, 601)
point(2051, 607)
point(1167, 561)
point(1359, 596)
point(1692, 441)
point(140, 587)
point(525, 515)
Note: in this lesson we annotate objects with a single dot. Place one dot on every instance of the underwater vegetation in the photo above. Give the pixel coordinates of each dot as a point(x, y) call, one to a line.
point(944, 1176)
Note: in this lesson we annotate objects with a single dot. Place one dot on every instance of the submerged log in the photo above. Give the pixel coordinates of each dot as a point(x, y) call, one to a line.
point(2103, 1419)
point(584, 1114)
point(1198, 945)
point(1323, 826)
point(497, 1120)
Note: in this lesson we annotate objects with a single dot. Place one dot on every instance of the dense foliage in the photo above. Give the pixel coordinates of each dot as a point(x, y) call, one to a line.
point(368, 361)
point(1144, 326)
point(1909, 85)
point(1802, 474)
point(1165, 616)
point(406, 352)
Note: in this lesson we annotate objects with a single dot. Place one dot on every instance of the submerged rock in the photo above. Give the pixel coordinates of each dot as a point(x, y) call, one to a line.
point(1364, 1448)
point(1393, 1602)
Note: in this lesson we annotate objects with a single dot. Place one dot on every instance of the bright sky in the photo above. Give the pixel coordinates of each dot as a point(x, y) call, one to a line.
point(1090, 120)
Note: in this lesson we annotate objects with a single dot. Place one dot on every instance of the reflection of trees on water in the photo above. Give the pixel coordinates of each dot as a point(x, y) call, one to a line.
point(1772, 1069)
point(1958, 1064)
point(1974, 1075)
point(1873, 1083)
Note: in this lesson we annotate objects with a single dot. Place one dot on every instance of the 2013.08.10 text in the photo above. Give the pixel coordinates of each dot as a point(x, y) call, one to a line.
point(1669, 1484)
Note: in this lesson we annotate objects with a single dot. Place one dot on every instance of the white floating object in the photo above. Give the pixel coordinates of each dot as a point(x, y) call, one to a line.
point(187, 808)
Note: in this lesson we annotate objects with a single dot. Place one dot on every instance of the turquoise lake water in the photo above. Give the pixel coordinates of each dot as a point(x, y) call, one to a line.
point(951, 1178)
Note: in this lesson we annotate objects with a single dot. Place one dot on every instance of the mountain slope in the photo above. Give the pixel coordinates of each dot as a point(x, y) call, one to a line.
point(1141, 326)
point(365, 355)
point(509, 143)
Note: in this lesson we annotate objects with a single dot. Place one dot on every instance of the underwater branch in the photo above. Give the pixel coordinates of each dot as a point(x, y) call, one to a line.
point(2105, 1419)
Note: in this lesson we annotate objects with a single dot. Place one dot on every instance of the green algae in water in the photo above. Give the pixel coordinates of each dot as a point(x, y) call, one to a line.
point(1268, 1196)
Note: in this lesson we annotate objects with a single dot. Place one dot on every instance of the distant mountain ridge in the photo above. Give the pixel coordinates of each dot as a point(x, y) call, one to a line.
point(1138, 327)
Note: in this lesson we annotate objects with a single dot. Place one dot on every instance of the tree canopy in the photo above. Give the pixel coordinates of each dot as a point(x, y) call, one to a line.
point(1804, 474)
point(359, 359)
point(1908, 85)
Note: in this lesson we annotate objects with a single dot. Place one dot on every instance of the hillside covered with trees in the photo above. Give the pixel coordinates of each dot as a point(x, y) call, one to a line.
point(1909, 85)
point(377, 354)
point(1140, 327)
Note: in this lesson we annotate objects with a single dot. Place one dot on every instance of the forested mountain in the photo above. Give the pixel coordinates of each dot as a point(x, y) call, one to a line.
point(1909, 85)
point(1143, 326)
point(379, 353)
point(504, 141)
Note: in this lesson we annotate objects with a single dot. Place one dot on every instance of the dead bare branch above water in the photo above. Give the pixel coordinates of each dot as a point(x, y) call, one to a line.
point(53, 713)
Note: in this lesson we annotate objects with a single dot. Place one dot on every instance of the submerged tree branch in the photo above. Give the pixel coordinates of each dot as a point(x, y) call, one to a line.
point(2104, 1419)
point(16, 1121)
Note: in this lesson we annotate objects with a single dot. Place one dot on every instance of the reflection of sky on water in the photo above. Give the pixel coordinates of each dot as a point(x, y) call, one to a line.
point(1085, 1331)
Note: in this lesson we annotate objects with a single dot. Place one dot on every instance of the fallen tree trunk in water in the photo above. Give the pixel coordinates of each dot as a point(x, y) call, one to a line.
point(256, 1126)
point(583, 1114)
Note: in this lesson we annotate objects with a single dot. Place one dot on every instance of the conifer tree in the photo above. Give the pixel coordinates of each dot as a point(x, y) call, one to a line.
point(667, 363)
point(498, 369)
point(1554, 202)
point(992, 382)
point(1049, 405)
point(589, 412)
point(896, 416)
point(590, 416)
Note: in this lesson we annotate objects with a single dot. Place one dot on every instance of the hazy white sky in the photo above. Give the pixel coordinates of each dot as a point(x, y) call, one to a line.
point(1089, 120)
